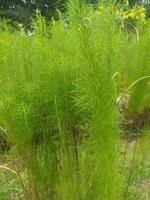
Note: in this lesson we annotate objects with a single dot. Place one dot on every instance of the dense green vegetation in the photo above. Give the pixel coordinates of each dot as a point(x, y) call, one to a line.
point(58, 102)
point(22, 11)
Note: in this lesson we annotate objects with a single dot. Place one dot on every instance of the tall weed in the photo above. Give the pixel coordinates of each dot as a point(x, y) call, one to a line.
point(57, 101)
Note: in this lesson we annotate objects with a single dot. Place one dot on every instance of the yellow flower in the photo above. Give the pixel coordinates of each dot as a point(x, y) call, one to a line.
point(131, 14)
point(142, 9)
point(124, 15)
point(142, 15)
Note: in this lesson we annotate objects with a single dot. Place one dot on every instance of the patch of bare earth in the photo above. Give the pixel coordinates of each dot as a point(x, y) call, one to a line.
point(145, 189)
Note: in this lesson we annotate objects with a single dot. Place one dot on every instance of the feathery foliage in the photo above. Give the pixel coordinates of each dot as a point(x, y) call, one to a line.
point(57, 101)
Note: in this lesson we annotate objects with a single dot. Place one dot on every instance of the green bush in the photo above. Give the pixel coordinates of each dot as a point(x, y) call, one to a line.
point(57, 102)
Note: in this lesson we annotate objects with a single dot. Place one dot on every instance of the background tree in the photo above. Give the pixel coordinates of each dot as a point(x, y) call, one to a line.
point(22, 10)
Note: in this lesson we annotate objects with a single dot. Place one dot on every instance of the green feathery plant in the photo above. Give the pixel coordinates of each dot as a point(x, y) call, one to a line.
point(57, 102)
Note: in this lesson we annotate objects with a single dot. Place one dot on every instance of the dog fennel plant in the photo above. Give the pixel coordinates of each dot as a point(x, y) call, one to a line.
point(57, 102)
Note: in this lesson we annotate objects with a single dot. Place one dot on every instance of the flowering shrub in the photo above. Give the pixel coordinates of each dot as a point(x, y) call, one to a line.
point(127, 15)
point(132, 16)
